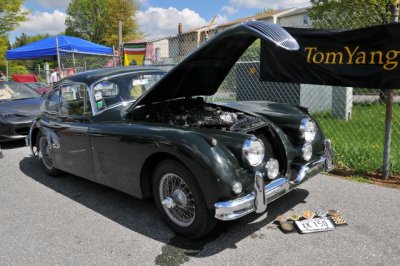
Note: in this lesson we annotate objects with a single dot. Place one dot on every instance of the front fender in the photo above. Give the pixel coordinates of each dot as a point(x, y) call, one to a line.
point(212, 164)
point(51, 137)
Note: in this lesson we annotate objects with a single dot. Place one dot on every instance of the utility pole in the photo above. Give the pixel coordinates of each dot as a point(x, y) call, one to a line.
point(120, 41)
point(389, 108)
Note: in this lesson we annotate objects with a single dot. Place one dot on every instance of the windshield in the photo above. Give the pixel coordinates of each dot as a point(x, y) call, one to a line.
point(10, 91)
point(36, 85)
point(120, 89)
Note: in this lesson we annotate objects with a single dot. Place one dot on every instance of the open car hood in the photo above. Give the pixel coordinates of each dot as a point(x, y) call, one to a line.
point(202, 72)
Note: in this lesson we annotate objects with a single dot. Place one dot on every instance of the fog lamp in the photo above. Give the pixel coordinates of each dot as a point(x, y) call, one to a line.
point(237, 187)
point(307, 151)
point(272, 168)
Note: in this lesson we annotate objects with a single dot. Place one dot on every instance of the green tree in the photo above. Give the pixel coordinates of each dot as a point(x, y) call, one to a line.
point(97, 20)
point(4, 46)
point(349, 14)
point(126, 11)
point(11, 15)
point(24, 39)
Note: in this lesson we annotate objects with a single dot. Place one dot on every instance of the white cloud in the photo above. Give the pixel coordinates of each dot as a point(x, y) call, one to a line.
point(50, 4)
point(156, 21)
point(143, 3)
point(229, 10)
point(43, 22)
point(261, 4)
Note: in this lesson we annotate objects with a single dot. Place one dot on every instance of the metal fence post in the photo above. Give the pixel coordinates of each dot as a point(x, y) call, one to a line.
point(389, 111)
point(120, 44)
point(58, 53)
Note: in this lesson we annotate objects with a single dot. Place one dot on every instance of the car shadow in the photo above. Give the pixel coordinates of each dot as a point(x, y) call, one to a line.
point(142, 217)
point(12, 144)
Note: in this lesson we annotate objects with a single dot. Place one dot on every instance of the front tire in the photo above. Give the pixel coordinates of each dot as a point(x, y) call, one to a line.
point(43, 151)
point(180, 200)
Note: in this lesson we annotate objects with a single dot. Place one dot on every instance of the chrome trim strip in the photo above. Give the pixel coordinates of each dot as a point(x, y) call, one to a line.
point(309, 167)
point(234, 209)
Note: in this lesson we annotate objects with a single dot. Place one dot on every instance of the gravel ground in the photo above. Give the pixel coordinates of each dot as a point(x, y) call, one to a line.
point(71, 221)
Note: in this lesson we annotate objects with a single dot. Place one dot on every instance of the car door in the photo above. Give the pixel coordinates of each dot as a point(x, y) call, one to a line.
point(74, 154)
point(117, 150)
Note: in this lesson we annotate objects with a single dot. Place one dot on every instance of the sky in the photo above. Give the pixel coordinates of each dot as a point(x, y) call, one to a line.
point(155, 17)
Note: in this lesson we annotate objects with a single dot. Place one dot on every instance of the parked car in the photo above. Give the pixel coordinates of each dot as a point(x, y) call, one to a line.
point(149, 133)
point(19, 105)
point(40, 87)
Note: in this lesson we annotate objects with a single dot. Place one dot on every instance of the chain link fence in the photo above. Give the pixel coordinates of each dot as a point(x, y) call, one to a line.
point(73, 62)
point(353, 118)
point(70, 63)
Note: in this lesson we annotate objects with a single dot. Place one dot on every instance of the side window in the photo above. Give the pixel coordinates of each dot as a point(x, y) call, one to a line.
point(74, 100)
point(106, 93)
point(140, 84)
point(52, 101)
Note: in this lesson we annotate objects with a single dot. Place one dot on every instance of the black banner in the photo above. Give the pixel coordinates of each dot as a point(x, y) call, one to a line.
point(368, 58)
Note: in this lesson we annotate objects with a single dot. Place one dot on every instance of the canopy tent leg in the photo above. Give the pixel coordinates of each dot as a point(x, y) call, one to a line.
point(58, 53)
point(7, 70)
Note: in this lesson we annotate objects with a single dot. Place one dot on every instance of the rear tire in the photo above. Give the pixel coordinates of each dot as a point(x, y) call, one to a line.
point(180, 200)
point(43, 151)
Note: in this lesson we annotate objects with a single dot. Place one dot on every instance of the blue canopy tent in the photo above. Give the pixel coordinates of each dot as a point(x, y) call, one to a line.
point(50, 48)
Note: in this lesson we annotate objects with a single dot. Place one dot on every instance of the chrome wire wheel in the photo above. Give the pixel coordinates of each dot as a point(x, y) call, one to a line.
point(44, 153)
point(177, 199)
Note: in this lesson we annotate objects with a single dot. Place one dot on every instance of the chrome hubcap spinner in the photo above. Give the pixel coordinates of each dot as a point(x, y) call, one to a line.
point(177, 199)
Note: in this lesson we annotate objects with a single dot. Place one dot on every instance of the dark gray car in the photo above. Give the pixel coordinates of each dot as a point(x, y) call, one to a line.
point(19, 105)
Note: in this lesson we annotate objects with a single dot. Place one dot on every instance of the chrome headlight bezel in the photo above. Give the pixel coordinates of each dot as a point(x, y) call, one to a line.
point(308, 129)
point(250, 155)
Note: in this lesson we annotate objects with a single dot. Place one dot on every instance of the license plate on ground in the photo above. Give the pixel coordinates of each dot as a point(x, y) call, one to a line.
point(315, 225)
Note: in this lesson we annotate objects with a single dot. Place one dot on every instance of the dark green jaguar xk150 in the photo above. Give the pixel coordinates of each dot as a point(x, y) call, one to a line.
point(150, 133)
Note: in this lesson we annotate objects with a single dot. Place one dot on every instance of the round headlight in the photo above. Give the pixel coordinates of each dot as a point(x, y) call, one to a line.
point(307, 151)
point(272, 168)
point(253, 151)
point(308, 129)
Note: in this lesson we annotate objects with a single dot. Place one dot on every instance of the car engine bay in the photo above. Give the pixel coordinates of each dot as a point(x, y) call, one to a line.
point(195, 113)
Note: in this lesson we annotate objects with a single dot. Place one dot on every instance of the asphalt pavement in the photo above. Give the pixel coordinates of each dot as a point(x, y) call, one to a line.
point(72, 221)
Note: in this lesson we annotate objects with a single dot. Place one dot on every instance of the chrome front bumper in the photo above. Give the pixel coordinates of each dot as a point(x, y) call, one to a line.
point(263, 194)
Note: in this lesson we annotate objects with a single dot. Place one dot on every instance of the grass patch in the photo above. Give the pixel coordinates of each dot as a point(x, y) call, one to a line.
point(358, 143)
point(360, 179)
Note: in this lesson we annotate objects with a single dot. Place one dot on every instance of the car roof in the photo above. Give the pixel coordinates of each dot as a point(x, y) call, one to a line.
point(91, 76)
